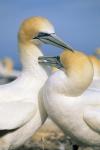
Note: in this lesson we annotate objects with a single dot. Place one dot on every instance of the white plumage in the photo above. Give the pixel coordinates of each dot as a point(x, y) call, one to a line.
point(71, 104)
point(21, 108)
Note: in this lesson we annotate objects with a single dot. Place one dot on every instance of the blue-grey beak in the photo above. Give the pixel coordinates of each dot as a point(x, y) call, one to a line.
point(53, 40)
point(50, 61)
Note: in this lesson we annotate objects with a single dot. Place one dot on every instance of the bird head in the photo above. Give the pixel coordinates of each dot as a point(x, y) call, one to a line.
point(38, 30)
point(77, 67)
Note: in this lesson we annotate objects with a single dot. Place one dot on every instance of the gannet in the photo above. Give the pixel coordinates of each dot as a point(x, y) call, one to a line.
point(8, 64)
point(7, 71)
point(68, 100)
point(21, 108)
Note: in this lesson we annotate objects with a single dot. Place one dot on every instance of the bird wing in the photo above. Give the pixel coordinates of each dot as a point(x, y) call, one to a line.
point(15, 114)
point(92, 117)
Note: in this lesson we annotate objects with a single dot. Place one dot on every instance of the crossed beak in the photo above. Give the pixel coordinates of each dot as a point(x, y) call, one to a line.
point(55, 41)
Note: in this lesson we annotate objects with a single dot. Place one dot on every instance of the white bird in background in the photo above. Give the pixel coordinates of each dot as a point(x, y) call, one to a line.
point(7, 71)
point(69, 102)
point(21, 108)
point(8, 68)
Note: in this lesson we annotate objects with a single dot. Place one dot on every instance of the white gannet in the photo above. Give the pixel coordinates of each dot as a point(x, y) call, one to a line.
point(7, 71)
point(21, 108)
point(70, 103)
point(8, 68)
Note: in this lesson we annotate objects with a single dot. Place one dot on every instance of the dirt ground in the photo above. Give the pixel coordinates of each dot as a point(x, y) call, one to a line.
point(49, 137)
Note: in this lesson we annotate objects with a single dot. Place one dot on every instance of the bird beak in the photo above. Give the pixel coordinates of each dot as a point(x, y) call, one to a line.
point(50, 61)
point(54, 40)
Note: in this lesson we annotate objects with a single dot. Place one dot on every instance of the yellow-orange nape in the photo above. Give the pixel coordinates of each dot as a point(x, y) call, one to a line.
point(78, 69)
point(76, 62)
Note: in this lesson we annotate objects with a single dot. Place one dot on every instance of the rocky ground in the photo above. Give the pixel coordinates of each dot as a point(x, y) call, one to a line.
point(49, 137)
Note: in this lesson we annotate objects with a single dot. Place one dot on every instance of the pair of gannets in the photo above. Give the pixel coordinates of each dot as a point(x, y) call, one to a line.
point(69, 101)
point(21, 107)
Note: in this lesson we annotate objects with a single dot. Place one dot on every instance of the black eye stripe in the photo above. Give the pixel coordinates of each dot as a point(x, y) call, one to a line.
point(41, 34)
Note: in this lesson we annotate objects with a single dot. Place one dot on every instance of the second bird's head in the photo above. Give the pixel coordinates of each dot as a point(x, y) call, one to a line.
point(77, 68)
point(38, 30)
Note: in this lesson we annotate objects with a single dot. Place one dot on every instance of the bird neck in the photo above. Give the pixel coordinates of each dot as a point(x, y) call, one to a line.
point(70, 85)
point(29, 54)
point(77, 84)
point(78, 72)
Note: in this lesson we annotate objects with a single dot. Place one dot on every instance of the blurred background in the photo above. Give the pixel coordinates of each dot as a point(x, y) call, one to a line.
point(76, 22)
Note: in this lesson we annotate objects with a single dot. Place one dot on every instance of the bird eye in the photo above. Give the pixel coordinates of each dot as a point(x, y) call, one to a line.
point(41, 34)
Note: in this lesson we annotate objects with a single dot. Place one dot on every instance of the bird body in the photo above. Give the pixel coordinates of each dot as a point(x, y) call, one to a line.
point(24, 90)
point(70, 103)
point(76, 116)
point(21, 102)
point(49, 131)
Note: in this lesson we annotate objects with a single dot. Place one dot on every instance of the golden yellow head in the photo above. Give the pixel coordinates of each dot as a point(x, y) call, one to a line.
point(38, 30)
point(31, 27)
point(75, 61)
point(78, 68)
